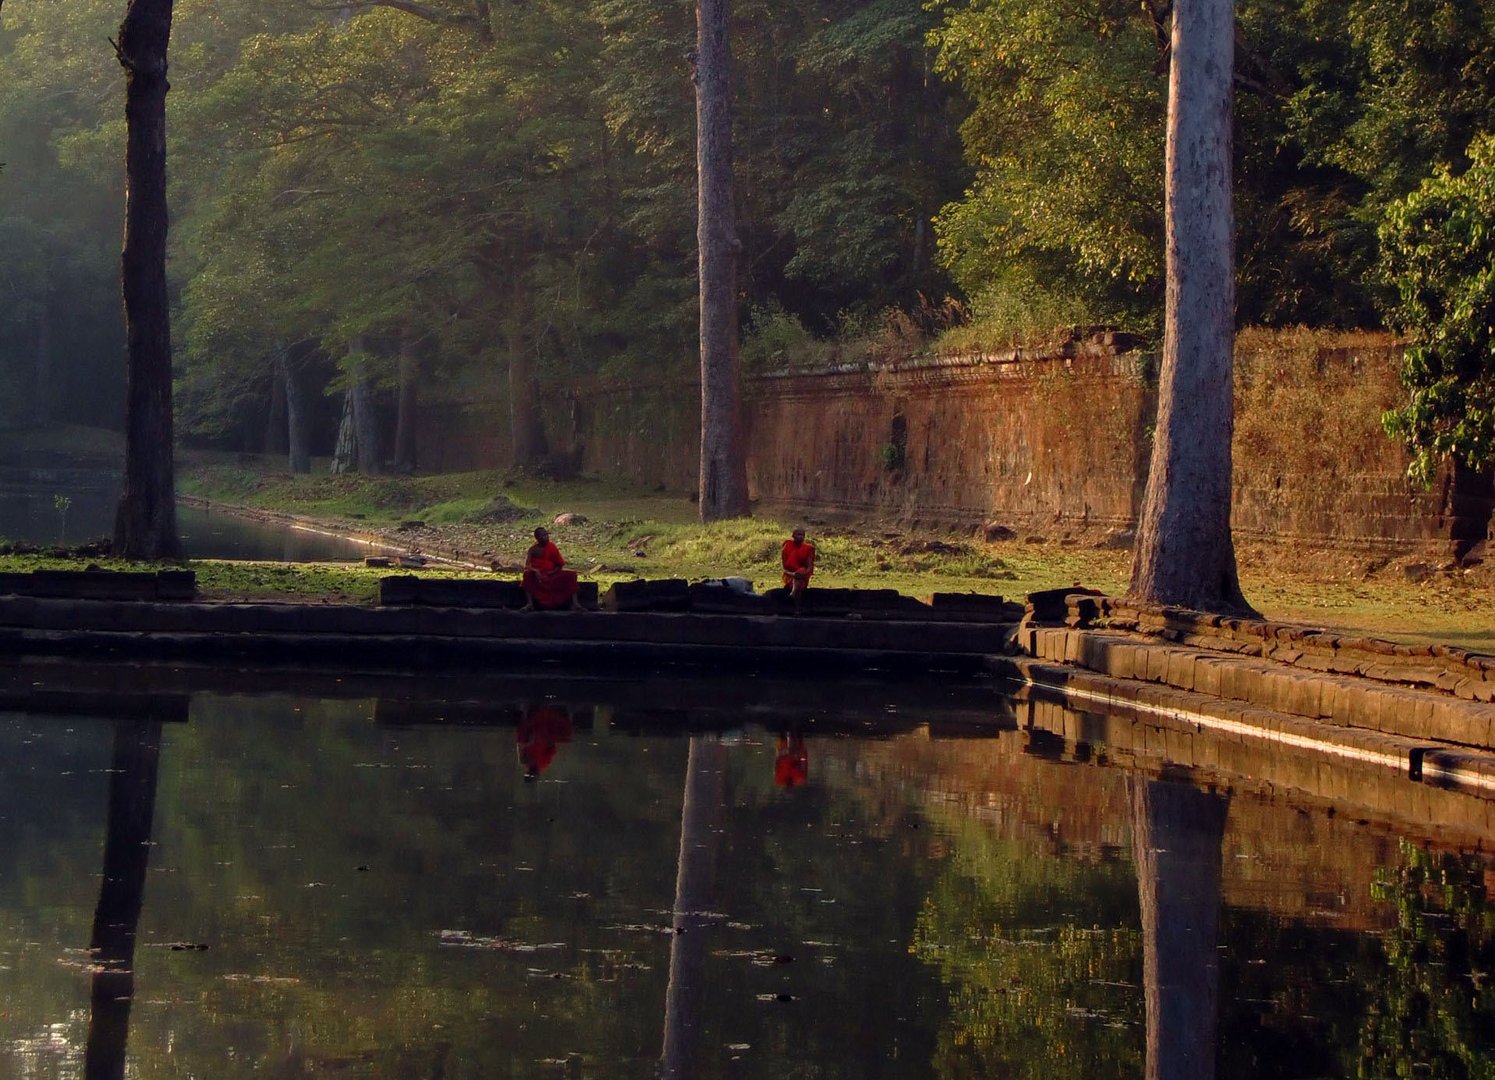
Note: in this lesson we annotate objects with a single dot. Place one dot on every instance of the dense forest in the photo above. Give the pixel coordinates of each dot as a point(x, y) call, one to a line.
point(457, 195)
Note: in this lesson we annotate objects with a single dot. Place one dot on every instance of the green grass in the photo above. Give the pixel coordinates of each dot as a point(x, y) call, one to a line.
point(631, 531)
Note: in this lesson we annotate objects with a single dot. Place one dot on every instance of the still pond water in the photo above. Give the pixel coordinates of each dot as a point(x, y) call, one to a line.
point(358, 886)
point(40, 514)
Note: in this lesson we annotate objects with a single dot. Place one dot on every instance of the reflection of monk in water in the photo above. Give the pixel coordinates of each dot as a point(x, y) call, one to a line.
point(539, 735)
point(792, 766)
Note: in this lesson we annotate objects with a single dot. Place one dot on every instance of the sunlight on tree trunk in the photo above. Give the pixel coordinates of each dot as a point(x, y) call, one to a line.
point(723, 481)
point(1184, 553)
point(145, 524)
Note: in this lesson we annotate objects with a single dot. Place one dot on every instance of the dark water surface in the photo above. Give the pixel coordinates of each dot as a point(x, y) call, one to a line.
point(296, 885)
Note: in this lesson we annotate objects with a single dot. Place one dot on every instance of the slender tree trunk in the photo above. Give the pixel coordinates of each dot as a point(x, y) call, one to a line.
point(297, 448)
point(723, 482)
point(368, 447)
point(695, 891)
point(1177, 831)
point(345, 452)
point(145, 525)
point(1184, 553)
point(132, 802)
point(526, 424)
point(409, 404)
point(276, 435)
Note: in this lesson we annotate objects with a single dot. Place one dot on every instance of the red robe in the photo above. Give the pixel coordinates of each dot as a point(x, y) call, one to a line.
point(548, 585)
point(797, 558)
point(539, 736)
point(791, 767)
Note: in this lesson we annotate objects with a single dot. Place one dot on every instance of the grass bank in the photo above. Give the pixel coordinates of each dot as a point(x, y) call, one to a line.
point(617, 532)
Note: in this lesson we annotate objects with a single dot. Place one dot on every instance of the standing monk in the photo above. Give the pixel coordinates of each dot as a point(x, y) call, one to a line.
point(799, 564)
point(546, 584)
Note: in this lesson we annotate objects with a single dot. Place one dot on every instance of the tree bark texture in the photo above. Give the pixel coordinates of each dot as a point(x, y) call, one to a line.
point(145, 525)
point(695, 895)
point(367, 445)
point(345, 451)
point(1184, 555)
point(723, 481)
point(1177, 831)
point(275, 436)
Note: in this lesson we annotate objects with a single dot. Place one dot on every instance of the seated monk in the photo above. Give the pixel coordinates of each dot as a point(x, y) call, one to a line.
point(799, 564)
point(546, 584)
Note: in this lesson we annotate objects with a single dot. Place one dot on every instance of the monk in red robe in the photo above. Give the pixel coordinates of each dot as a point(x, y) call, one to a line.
point(799, 564)
point(546, 582)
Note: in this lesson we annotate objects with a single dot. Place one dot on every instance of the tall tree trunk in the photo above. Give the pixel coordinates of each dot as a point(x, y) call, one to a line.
point(723, 482)
point(345, 452)
point(695, 890)
point(145, 524)
point(526, 424)
point(132, 802)
point(1184, 553)
point(367, 444)
point(1177, 831)
point(276, 436)
point(297, 448)
point(409, 404)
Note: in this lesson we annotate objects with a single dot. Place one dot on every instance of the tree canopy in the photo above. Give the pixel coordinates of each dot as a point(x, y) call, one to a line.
point(515, 184)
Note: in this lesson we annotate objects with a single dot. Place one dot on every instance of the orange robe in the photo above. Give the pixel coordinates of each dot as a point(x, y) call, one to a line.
point(797, 558)
point(548, 585)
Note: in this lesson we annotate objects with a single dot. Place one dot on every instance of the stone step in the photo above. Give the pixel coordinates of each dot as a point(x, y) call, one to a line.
point(1419, 714)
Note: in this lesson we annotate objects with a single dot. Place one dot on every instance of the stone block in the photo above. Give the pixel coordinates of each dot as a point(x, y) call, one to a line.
point(1207, 675)
point(666, 594)
point(176, 585)
point(1120, 659)
point(1181, 663)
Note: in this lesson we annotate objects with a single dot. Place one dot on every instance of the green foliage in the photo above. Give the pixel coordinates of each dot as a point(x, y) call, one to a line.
point(1066, 134)
point(1434, 1013)
point(774, 339)
point(1438, 250)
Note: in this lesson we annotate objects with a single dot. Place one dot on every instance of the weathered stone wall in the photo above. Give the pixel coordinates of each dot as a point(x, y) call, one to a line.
point(1047, 445)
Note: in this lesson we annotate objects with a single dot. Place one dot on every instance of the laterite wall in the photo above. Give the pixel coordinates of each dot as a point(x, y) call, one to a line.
point(1046, 445)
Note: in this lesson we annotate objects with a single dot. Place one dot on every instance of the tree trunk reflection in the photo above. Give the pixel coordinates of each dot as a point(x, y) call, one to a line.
point(695, 887)
point(132, 801)
point(1176, 835)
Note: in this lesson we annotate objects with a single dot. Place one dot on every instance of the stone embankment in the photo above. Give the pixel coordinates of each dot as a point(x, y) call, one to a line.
point(1426, 711)
point(1394, 732)
point(431, 623)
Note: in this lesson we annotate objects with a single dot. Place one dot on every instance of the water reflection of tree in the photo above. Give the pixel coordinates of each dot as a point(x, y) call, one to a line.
point(132, 803)
point(695, 890)
point(1042, 959)
point(1433, 1011)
